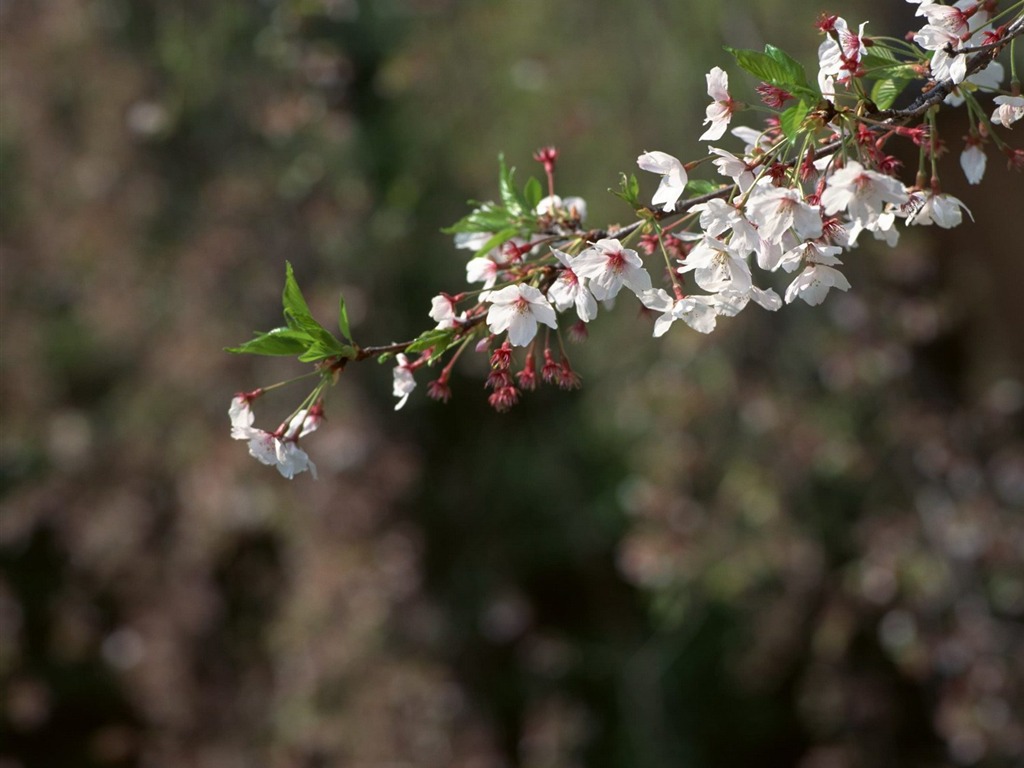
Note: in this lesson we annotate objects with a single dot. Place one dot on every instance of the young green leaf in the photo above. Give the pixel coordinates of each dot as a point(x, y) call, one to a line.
point(629, 190)
point(510, 196)
point(533, 193)
point(885, 92)
point(793, 69)
point(774, 66)
point(792, 118)
point(278, 342)
point(487, 218)
point(292, 299)
point(343, 319)
point(699, 187)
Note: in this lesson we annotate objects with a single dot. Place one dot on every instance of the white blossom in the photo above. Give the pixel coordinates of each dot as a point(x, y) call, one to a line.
point(719, 111)
point(404, 383)
point(731, 302)
point(973, 160)
point(942, 210)
point(776, 210)
point(553, 205)
point(608, 266)
point(442, 311)
point(733, 167)
point(472, 241)
point(517, 309)
point(280, 449)
point(673, 178)
point(861, 193)
point(482, 270)
point(569, 289)
point(716, 267)
point(696, 311)
point(1010, 109)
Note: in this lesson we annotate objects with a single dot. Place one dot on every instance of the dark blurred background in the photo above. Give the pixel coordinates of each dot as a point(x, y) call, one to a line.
point(796, 542)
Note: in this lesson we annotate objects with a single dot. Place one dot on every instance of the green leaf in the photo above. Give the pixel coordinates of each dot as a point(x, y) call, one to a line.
point(698, 187)
point(292, 299)
point(429, 339)
point(322, 352)
point(794, 69)
point(791, 119)
point(437, 340)
point(533, 193)
point(497, 239)
point(774, 66)
point(487, 218)
point(885, 92)
point(629, 190)
point(510, 196)
point(278, 342)
point(343, 319)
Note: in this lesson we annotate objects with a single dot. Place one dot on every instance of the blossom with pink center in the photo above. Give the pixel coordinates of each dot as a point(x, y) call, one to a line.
point(840, 54)
point(517, 309)
point(673, 178)
point(861, 193)
point(719, 111)
point(608, 266)
point(403, 381)
point(776, 210)
point(568, 290)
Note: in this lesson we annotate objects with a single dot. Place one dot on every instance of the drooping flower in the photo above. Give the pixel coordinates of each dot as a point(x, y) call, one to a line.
point(719, 111)
point(814, 283)
point(568, 290)
point(1009, 111)
point(817, 279)
point(940, 209)
point(673, 178)
point(972, 161)
point(696, 311)
point(608, 266)
point(279, 449)
point(404, 383)
point(517, 309)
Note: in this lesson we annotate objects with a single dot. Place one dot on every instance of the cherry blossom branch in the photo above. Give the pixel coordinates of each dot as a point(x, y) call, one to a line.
point(806, 187)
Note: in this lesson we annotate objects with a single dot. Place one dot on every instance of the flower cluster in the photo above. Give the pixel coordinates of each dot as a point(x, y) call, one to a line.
point(802, 190)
